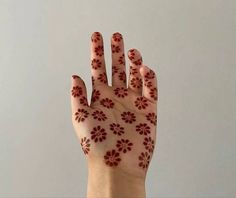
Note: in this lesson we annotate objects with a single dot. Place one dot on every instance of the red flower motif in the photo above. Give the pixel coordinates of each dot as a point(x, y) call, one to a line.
point(149, 75)
point(112, 158)
point(136, 82)
point(141, 103)
point(122, 76)
point(98, 134)
point(96, 37)
point(76, 91)
point(85, 144)
point(124, 145)
point(83, 101)
point(144, 160)
point(122, 59)
point(138, 62)
point(115, 49)
point(81, 115)
point(128, 117)
point(148, 84)
point(152, 117)
point(149, 144)
point(117, 129)
point(121, 92)
point(143, 129)
point(133, 70)
point(99, 50)
point(99, 115)
point(153, 93)
point(95, 95)
point(115, 70)
point(117, 37)
point(75, 77)
point(102, 77)
point(96, 63)
point(131, 54)
point(108, 103)
point(93, 80)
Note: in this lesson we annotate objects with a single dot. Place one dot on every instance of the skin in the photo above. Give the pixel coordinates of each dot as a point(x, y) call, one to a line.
point(117, 130)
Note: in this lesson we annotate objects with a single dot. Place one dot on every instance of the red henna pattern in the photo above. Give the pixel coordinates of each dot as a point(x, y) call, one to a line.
point(122, 59)
point(136, 82)
point(143, 129)
point(117, 37)
point(149, 75)
point(99, 50)
point(122, 76)
point(133, 70)
point(115, 49)
point(83, 101)
point(115, 70)
point(102, 77)
point(81, 115)
point(117, 129)
point(121, 92)
point(108, 103)
point(95, 95)
point(98, 134)
point(112, 158)
point(153, 93)
point(85, 144)
point(124, 145)
point(96, 37)
point(141, 103)
point(144, 160)
point(76, 91)
point(149, 144)
point(99, 115)
point(138, 62)
point(128, 117)
point(96, 63)
point(148, 84)
point(131, 54)
point(152, 117)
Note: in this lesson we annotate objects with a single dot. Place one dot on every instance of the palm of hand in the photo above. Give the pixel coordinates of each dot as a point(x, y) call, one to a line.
point(119, 127)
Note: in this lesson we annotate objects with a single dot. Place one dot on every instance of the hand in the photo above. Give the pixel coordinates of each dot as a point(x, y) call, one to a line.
point(117, 131)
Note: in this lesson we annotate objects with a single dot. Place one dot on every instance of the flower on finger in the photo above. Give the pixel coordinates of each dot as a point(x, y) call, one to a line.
point(76, 91)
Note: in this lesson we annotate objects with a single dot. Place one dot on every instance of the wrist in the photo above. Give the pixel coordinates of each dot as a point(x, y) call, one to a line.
point(112, 182)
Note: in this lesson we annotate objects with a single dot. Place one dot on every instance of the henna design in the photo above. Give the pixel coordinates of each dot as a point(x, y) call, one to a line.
point(121, 92)
point(98, 134)
point(115, 70)
point(138, 62)
point(133, 70)
point(141, 103)
point(81, 115)
point(96, 37)
point(131, 54)
point(152, 117)
point(121, 59)
point(76, 91)
point(99, 115)
point(149, 75)
point(102, 77)
point(128, 117)
point(95, 95)
point(117, 37)
point(124, 145)
point(148, 84)
point(143, 129)
point(149, 144)
point(112, 158)
point(83, 101)
point(117, 129)
point(136, 82)
point(93, 80)
point(99, 50)
point(144, 160)
point(108, 103)
point(96, 63)
point(85, 144)
point(115, 49)
point(153, 93)
point(122, 76)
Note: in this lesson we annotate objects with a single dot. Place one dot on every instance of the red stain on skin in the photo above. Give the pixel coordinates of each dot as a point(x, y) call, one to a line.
point(93, 80)
point(95, 95)
point(99, 115)
point(144, 160)
point(102, 78)
point(149, 144)
point(99, 50)
point(98, 134)
point(96, 37)
point(76, 91)
point(117, 37)
point(121, 92)
point(136, 82)
point(141, 103)
point(143, 129)
point(85, 144)
point(152, 117)
point(124, 145)
point(96, 63)
point(112, 158)
point(108, 103)
point(81, 115)
point(128, 117)
point(115, 49)
point(117, 129)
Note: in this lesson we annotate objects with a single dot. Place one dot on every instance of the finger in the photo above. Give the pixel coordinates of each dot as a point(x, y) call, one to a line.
point(78, 94)
point(97, 60)
point(118, 60)
point(135, 80)
point(150, 83)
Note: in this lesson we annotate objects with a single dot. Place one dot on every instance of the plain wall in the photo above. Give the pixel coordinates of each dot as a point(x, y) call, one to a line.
point(190, 44)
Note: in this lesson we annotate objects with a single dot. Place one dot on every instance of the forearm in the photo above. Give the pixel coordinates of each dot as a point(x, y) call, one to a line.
point(107, 182)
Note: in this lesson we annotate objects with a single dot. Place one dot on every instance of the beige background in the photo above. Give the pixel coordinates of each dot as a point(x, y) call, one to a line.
point(190, 43)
